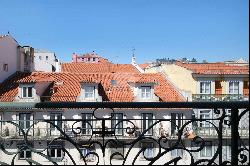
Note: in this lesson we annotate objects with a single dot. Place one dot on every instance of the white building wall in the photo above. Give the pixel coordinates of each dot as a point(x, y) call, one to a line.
point(8, 55)
point(44, 64)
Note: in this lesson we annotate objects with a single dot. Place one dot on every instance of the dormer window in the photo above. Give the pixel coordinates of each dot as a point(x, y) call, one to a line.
point(27, 92)
point(146, 92)
point(89, 92)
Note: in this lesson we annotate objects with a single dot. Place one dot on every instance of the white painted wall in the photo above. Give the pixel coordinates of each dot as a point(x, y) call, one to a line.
point(8, 55)
point(44, 64)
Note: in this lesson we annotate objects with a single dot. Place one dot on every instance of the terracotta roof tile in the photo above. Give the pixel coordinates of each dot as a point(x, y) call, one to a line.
point(98, 68)
point(144, 65)
point(215, 68)
point(68, 86)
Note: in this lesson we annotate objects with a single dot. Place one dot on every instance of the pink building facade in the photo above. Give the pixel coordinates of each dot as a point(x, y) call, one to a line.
point(88, 58)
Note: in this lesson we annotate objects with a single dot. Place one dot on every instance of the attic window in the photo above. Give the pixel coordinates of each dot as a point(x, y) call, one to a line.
point(145, 92)
point(27, 92)
point(89, 92)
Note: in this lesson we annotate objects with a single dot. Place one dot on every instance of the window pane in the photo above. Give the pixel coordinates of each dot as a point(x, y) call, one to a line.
point(59, 153)
point(28, 154)
point(24, 92)
point(29, 91)
point(52, 153)
point(22, 155)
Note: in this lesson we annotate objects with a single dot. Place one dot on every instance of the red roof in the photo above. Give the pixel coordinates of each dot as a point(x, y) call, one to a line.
point(144, 65)
point(214, 68)
point(68, 85)
point(98, 68)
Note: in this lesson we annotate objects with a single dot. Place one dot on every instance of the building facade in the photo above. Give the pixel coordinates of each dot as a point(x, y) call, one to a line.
point(46, 61)
point(34, 131)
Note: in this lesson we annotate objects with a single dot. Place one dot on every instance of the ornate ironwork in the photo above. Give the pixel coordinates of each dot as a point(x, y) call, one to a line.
point(188, 137)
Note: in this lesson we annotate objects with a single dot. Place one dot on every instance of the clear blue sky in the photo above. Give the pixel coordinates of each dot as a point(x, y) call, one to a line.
point(215, 30)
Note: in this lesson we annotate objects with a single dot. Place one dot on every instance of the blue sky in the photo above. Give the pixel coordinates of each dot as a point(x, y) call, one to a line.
point(215, 30)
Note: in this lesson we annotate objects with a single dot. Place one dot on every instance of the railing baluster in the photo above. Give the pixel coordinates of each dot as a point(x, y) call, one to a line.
point(234, 136)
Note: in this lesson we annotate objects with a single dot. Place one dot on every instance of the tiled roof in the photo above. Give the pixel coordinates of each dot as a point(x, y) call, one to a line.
point(98, 68)
point(215, 68)
point(144, 65)
point(68, 86)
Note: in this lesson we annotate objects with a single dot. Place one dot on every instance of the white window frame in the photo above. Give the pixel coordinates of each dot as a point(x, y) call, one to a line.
point(178, 121)
point(204, 114)
point(115, 120)
point(85, 151)
point(25, 92)
point(25, 154)
point(147, 123)
point(205, 149)
point(87, 92)
point(205, 87)
point(25, 127)
point(231, 89)
point(53, 130)
point(56, 149)
point(146, 92)
point(88, 129)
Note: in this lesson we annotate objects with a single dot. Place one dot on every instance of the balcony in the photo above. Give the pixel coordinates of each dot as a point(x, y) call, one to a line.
point(219, 97)
point(100, 132)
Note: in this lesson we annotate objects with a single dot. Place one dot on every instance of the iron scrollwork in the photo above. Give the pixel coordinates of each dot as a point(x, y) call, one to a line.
point(96, 134)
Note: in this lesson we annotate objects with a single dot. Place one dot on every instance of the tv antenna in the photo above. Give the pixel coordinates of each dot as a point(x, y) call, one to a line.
point(133, 51)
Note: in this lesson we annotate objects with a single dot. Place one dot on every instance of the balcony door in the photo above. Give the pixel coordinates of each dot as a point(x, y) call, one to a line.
point(56, 119)
point(218, 88)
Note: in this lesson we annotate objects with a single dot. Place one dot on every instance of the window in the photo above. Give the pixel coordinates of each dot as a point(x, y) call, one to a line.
point(25, 154)
point(40, 57)
point(88, 59)
point(24, 122)
point(176, 152)
point(117, 124)
point(149, 151)
point(147, 121)
point(27, 92)
point(146, 92)
point(55, 152)
point(89, 92)
point(93, 59)
point(176, 122)
point(5, 67)
point(204, 115)
point(56, 119)
point(207, 150)
point(227, 119)
point(47, 58)
point(114, 148)
point(85, 152)
point(205, 87)
point(233, 87)
point(86, 125)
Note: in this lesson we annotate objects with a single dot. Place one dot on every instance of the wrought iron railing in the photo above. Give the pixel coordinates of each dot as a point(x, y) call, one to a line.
point(219, 97)
point(97, 141)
